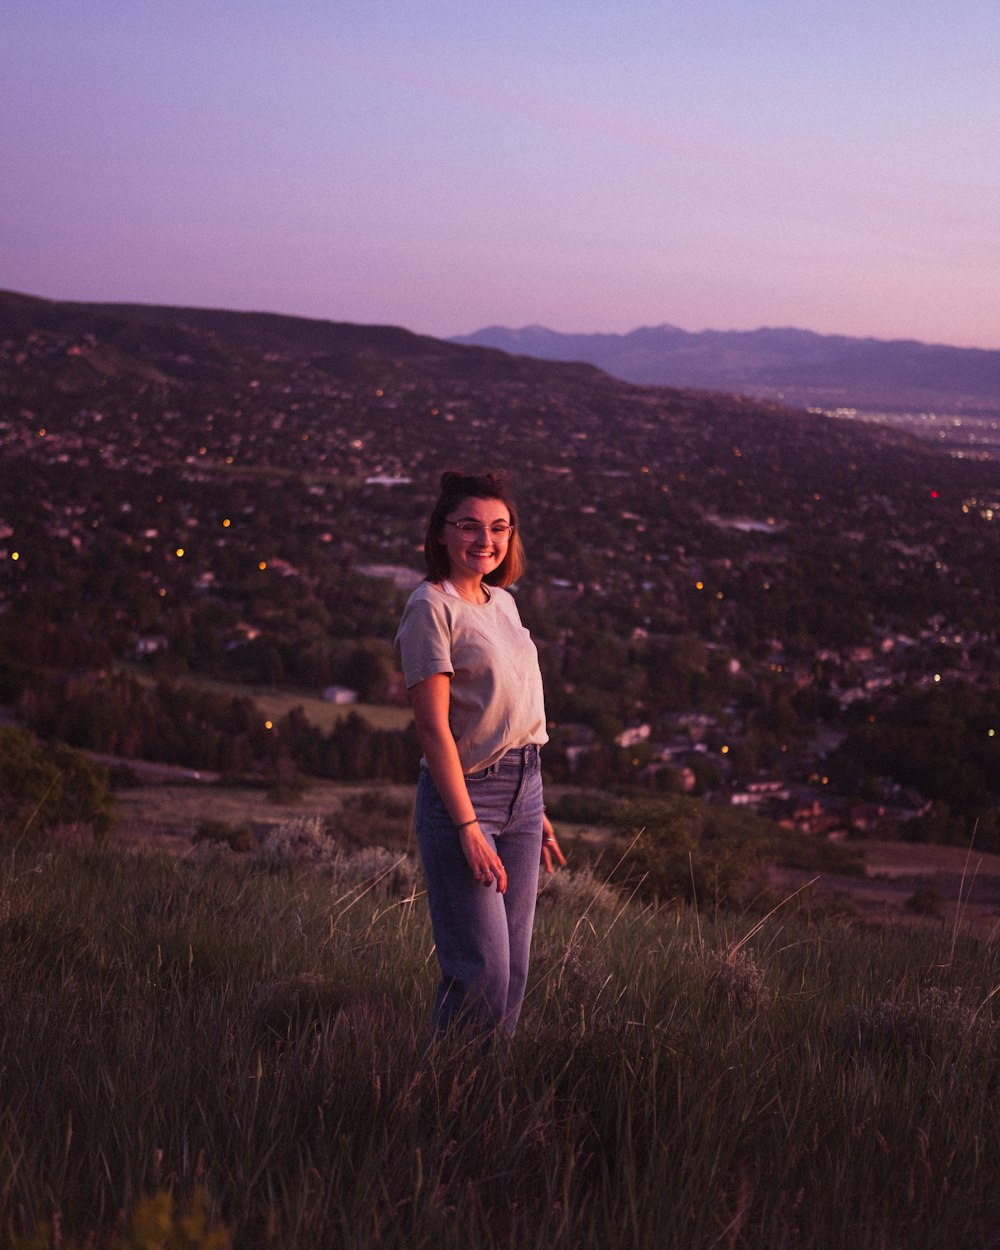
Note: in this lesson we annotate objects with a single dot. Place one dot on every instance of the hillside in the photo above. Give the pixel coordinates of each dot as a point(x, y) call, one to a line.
point(176, 344)
point(722, 588)
point(795, 366)
point(231, 1050)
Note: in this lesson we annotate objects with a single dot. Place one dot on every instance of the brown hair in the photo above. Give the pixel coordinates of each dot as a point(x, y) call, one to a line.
point(454, 488)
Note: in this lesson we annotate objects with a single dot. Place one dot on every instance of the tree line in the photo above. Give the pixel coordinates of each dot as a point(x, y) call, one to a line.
point(115, 714)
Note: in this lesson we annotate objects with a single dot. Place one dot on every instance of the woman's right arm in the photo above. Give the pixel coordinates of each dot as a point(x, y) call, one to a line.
point(429, 699)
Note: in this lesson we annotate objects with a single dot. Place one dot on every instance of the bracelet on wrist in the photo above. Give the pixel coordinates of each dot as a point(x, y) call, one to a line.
point(465, 823)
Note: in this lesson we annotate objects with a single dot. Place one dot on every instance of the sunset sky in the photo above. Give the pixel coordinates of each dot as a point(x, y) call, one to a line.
point(450, 164)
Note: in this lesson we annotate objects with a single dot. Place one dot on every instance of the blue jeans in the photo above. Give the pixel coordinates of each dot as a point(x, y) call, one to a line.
point(483, 938)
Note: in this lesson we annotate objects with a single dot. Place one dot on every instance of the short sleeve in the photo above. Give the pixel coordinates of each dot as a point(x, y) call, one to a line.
point(423, 642)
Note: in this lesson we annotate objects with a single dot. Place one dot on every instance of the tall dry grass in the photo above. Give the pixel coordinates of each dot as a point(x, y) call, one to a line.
point(251, 1034)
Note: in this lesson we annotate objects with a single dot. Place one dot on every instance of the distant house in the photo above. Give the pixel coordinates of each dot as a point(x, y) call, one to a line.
point(400, 575)
point(340, 694)
point(813, 816)
point(244, 633)
point(884, 819)
point(577, 741)
point(757, 793)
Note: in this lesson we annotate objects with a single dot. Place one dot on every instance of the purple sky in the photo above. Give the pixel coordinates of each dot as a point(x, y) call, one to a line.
point(450, 164)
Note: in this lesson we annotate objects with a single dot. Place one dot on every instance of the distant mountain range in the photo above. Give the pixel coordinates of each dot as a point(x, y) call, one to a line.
point(796, 367)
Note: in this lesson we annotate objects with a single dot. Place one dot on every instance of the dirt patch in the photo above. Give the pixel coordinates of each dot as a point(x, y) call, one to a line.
point(166, 817)
point(953, 887)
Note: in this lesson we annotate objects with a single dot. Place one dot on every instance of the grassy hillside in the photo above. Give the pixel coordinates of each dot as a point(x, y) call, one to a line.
point(276, 704)
point(233, 1050)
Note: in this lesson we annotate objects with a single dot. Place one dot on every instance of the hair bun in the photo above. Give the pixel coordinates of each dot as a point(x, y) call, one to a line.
point(450, 476)
point(451, 479)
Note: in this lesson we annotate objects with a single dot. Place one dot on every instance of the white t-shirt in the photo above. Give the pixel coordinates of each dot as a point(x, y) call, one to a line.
point(496, 700)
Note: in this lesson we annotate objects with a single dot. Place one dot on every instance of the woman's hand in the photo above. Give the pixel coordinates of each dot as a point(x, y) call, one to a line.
point(482, 858)
point(552, 856)
point(430, 701)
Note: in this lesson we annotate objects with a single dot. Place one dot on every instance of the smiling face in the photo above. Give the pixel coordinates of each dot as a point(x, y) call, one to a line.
point(472, 556)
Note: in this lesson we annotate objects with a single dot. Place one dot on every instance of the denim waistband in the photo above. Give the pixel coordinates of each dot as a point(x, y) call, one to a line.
point(522, 755)
point(529, 756)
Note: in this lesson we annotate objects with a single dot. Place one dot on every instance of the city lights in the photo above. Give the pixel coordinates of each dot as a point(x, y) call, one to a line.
point(785, 650)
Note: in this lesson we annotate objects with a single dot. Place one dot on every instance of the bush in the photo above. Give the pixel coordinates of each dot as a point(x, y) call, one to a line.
point(301, 841)
point(578, 892)
point(237, 837)
point(584, 809)
point(45, 786)
point(688, 849)
point(926, 902)
point(375, 816)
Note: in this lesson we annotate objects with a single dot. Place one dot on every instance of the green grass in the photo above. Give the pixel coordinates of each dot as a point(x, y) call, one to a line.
point(276, 704)
point(257, 1032)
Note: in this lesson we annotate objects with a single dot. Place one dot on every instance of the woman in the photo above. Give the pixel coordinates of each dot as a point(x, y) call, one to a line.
point(472, 673)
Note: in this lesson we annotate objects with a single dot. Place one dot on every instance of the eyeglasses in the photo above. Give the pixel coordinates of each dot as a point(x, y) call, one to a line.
point(499, 530)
